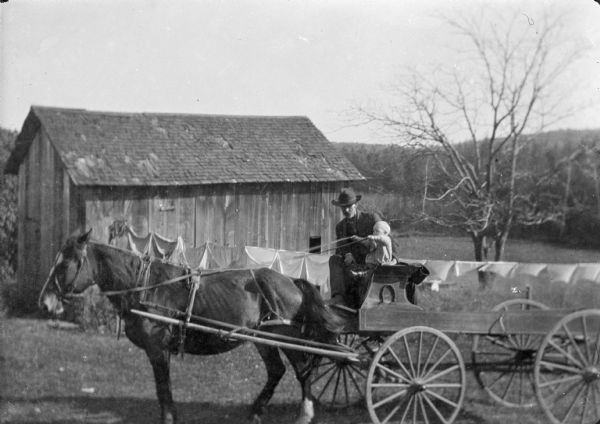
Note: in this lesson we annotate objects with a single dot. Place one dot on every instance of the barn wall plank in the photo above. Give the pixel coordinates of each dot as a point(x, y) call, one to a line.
point(76, 209)
point(138, 210)
point(161, 209)
point(186, 205)
point(220, 215)
point(33, 247)
point(264, 214)
point(171, 215)
point(47, 219)
point(274, 217)
point(231, 211)
point(22, 252)
point(65, 208)
point(285, 217)
point(303, 205)
point(99, 213)
point(203, 216)
point(241, 219)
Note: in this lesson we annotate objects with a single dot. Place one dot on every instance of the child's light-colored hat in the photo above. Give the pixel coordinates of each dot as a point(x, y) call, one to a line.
point(382, 225)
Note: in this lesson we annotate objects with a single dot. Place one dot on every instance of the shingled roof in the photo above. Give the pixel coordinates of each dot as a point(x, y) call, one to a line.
point(105, 148)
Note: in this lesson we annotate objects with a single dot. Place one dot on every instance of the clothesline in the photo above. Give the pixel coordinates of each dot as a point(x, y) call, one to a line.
point(448, 271)
point(315, 267)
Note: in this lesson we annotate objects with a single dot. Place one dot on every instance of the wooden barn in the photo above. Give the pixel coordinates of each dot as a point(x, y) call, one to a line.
point(234, 180)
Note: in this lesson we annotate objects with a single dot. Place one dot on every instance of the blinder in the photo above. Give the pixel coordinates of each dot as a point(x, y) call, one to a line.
point(62, 294)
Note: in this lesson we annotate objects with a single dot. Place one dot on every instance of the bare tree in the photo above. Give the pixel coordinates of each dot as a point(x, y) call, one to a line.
point(471, 119)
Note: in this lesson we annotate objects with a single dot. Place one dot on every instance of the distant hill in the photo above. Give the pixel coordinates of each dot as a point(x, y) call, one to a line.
point(551, 139)
point(398, 169)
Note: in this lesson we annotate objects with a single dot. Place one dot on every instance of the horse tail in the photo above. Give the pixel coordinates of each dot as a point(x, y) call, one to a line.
point(321, 323)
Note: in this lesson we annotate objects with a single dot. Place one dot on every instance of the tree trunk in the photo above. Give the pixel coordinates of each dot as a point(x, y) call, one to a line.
point(565, 205)
point(480, 247)
point(500, 244)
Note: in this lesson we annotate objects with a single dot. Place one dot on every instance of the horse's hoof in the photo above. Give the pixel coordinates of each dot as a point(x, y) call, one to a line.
point(255, 419)
point(307, 413)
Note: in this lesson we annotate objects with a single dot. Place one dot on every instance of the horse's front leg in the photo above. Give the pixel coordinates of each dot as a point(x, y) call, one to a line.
point(154, 339)
point(303, 366)
point(160, 361)
point(275, 371)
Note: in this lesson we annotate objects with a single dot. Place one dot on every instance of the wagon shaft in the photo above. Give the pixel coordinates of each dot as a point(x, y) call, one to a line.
point(246, 334)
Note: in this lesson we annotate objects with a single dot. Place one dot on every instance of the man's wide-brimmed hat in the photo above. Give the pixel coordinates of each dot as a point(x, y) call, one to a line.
point(346, 197)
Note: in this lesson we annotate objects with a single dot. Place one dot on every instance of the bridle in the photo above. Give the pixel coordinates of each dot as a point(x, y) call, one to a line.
point(62, 294)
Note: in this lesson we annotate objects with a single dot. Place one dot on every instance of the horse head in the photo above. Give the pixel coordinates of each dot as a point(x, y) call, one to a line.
point(70, 275)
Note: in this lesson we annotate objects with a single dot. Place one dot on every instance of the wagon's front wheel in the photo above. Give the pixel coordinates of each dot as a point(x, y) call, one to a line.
point(417, 376)
point(567, 370)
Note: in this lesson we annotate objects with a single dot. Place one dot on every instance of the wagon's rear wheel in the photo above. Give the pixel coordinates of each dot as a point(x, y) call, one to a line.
point(567, 370)
point(339, 383)
point(417, 376)
point(503, 365)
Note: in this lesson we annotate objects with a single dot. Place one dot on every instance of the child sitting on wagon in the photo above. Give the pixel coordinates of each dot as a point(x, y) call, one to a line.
point(381, 253)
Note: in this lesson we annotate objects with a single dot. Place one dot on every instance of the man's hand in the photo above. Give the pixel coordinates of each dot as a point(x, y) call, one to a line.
point(348, 259)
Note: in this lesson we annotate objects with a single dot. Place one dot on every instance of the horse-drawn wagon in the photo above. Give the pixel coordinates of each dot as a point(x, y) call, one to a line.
point(399, 358)
point(521, 352)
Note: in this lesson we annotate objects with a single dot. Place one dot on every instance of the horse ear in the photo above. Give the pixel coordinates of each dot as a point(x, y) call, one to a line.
point(84, 238)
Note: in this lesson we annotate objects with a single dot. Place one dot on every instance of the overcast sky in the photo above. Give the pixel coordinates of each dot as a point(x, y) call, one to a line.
point(258, 57)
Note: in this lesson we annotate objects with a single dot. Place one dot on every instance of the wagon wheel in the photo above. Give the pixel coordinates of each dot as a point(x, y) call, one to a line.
point(503, 365)
point(567, 369)
point(341, 383)
point(418, 375)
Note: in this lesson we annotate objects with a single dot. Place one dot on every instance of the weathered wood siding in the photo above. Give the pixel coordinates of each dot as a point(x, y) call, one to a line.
point(280, 216)
point(43, 210)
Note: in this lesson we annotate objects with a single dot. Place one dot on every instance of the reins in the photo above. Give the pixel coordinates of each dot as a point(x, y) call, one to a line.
point(344, 244)
point(157, 285)
point(145, 288)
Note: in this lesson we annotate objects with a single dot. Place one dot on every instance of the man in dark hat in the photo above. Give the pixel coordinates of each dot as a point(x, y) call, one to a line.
point(352, 245)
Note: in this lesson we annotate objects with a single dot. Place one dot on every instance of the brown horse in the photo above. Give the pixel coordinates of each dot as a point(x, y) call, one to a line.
point(245, 298)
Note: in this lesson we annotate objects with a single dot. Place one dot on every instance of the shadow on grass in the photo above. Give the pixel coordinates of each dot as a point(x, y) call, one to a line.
point(92, 410)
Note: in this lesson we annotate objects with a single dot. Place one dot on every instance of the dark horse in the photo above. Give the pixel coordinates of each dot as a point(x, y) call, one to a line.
point(245, 298)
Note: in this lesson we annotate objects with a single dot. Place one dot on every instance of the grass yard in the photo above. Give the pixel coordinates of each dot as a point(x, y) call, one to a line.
point(59, 376)
point(461, 249)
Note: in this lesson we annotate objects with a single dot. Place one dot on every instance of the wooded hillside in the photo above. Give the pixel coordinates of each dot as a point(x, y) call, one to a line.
point(568, 159)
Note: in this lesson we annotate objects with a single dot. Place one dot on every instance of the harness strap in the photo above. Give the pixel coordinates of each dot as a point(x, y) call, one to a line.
point(45, 286)
point(161, 284)
point(144, 276)
point(189, 309)
point(145, 288)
